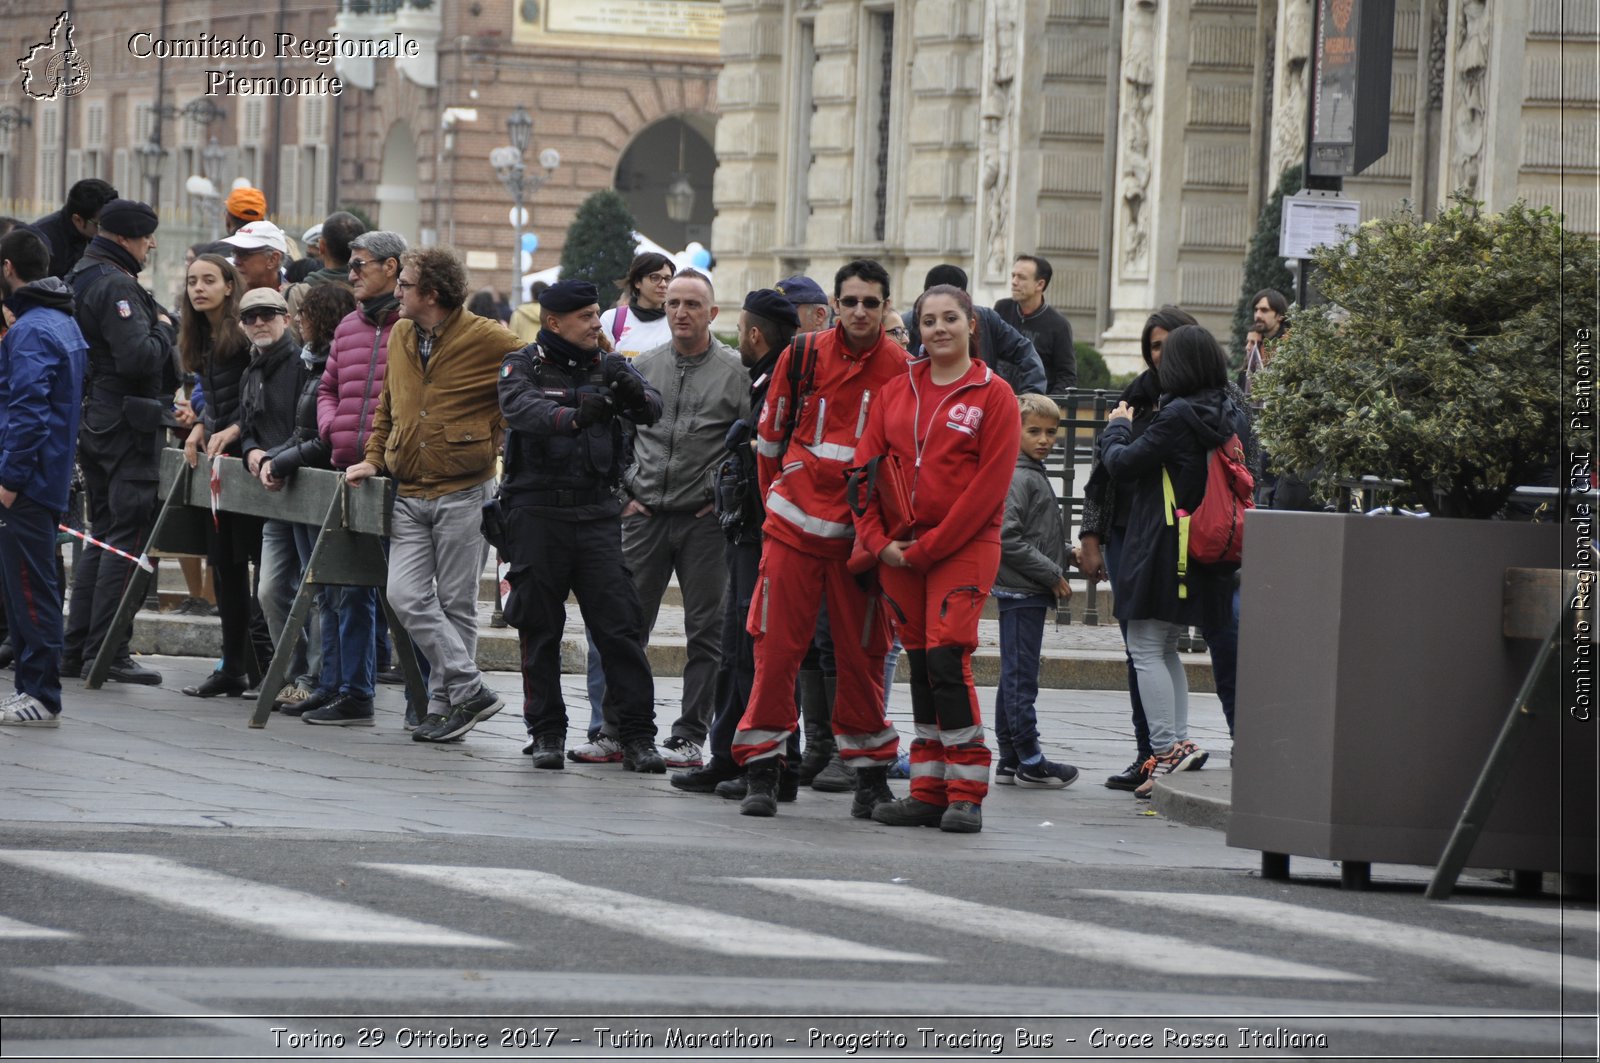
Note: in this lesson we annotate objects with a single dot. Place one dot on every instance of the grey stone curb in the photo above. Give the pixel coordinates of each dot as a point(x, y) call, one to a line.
point(191, 636)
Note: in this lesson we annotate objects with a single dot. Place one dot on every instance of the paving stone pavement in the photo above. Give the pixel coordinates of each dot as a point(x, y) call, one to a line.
point(151, 758)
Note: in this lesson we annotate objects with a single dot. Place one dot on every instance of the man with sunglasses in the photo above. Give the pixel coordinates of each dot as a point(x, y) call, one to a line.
point(437, 434)
point(805, 440)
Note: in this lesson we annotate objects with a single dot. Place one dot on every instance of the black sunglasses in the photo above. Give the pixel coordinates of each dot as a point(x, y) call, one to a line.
point(255, 315)
point(850, 302)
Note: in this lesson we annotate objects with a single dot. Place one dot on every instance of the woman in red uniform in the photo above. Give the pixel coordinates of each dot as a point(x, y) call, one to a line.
point(952, 424)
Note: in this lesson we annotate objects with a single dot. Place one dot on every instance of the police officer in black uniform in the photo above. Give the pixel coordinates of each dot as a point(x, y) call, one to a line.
point(568, 405)
point(767, 324)
point(132, 376)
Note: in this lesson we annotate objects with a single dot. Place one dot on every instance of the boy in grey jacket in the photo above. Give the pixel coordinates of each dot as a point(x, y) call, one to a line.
point(1033, 563)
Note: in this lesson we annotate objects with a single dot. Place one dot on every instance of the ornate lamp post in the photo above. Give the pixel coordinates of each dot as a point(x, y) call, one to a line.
point(680, 193)
point(151, 156)
point(509, 166)
point(203, 186)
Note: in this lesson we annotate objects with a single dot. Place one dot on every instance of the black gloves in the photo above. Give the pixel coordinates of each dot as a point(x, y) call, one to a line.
point(593, 408)
point(629, 388)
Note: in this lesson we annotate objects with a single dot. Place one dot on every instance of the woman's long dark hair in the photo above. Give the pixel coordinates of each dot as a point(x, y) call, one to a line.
point(196, 342)
point(1168, 317)
point(1191, 361)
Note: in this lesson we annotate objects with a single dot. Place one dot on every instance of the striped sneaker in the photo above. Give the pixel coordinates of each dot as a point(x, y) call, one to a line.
point(24, 710)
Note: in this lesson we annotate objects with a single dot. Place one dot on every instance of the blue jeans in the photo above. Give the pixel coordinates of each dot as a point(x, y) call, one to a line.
point(349, 653)
point(1223, 641)
point(28, 580)
point(1016, 722)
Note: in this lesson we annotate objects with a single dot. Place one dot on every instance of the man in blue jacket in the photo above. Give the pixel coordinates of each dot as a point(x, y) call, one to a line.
point(42, 360)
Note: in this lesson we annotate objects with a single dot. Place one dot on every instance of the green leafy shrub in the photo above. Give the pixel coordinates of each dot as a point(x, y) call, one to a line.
point(1440, 358)
point(1092, 371)
point(1263, 266)
point(600, 244)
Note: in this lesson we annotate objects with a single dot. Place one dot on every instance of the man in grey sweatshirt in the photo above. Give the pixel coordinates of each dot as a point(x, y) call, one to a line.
point(667, 524)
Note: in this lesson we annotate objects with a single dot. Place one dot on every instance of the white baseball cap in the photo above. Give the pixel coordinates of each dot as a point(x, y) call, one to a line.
point(256, 235)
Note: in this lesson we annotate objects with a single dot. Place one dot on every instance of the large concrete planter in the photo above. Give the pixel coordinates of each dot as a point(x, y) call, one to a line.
point(1373, 679)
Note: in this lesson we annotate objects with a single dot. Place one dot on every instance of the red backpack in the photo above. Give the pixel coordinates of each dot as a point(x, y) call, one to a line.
point(1214, 532)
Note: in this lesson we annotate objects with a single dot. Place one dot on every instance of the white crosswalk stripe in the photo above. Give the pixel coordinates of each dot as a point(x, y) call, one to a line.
point(16, 929)
point(1494, 958)
point(1072, 937)
point(272, 909)
point(676, 924)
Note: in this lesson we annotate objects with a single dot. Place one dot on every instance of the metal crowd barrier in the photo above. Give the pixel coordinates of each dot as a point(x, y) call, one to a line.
point(353, 523)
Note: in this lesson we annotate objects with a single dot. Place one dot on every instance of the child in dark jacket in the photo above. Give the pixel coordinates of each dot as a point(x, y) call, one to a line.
point(1032, 576)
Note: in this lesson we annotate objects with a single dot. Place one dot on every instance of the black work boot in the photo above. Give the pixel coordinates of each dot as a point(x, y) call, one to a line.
point(815, 706)
point(872, 789)
point(761, 793)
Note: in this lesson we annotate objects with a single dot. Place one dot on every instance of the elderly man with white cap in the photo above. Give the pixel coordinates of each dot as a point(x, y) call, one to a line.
point(259, 252)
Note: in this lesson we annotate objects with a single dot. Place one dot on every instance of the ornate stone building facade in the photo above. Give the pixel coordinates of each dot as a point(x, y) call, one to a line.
point(1132, 142)
point(624, 90)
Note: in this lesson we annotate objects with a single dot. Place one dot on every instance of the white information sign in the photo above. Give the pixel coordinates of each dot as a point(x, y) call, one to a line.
point(1314, 219)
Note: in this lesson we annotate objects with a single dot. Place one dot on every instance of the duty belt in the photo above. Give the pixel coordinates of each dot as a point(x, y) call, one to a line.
point(562, 499)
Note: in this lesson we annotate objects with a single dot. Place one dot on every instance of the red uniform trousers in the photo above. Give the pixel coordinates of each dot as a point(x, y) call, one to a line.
point(937, 612)
point(782, 621)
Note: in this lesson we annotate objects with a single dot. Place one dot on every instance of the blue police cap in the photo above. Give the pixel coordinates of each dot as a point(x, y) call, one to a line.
point(801, 289)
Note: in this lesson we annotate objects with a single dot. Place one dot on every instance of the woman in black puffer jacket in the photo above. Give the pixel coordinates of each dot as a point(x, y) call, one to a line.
point(1197, 414)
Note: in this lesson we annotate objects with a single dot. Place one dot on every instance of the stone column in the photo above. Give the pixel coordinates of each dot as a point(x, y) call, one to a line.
point(942, 137)
point(750, 95)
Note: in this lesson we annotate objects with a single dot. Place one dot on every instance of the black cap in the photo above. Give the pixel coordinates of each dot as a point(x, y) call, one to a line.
point(129, 218)
point(772, 305)
point(563, 297)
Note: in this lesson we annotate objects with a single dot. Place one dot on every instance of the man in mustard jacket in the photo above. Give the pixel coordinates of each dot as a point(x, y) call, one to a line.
point(437, 433)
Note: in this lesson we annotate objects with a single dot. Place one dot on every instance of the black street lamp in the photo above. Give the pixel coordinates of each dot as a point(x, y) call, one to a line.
point(509, 166)
point(151, 157)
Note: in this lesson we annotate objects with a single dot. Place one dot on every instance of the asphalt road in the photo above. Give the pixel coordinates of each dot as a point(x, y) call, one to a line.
point(591, 913)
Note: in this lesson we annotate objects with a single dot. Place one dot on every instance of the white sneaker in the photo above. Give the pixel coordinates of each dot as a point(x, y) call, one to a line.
point(24, 710)
point(602, 750)
point(681, 753)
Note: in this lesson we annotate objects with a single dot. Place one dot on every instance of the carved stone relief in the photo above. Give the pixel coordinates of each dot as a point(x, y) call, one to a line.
point(1138, 104)
point(1469, 114)
point(998, 140)
point(1290, 101)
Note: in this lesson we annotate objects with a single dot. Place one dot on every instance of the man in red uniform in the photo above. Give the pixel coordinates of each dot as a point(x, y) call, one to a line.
point(805, 440)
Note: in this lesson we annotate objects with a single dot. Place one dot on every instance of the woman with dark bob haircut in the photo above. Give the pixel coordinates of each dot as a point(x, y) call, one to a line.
point(641, 325)
point(1197, 415)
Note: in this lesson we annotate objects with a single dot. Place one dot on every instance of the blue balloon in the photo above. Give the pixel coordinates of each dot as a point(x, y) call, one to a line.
point(530, 242)
point(701, 259)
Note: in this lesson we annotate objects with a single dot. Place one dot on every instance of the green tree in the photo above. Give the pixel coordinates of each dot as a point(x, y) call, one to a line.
point(1439, 357)
point(1263, 267)
point(600, 244)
